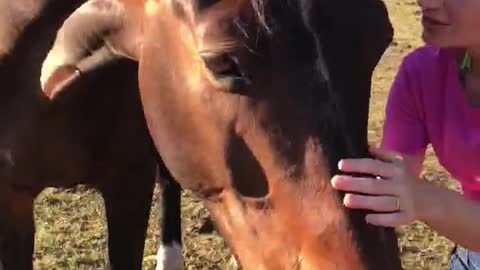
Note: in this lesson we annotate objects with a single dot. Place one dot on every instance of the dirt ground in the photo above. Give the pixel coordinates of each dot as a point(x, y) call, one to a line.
point(71, 230)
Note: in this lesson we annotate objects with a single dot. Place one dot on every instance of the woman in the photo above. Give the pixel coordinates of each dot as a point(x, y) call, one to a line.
point(435, 99)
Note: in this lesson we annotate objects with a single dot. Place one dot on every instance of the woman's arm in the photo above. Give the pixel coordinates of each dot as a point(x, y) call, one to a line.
point(450, 213)
point(454, 217)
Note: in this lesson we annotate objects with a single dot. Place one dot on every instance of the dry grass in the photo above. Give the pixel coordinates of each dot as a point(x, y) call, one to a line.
point(72, 230)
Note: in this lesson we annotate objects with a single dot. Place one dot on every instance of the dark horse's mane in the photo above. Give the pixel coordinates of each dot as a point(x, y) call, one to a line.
point(296, 17)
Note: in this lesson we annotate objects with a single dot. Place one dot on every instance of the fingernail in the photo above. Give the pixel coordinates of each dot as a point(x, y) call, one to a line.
point(367, 219)
point(339, 165)
point(346, 199)
point(334, 180)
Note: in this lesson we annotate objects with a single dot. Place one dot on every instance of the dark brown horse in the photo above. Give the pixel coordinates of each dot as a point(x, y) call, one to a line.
point(251, 103)
point(96, 137)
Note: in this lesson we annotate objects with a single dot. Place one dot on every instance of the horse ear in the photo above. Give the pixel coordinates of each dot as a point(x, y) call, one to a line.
point(62, 76)
point(214, 24)
point(95, 24)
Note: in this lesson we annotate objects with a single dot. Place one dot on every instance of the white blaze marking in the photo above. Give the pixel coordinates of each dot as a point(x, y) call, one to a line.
point(169, 257)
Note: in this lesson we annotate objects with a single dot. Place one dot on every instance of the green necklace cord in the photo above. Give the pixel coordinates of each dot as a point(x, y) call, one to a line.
point(466, 65)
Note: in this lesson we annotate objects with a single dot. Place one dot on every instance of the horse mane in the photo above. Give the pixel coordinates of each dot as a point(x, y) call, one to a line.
point(331, 122)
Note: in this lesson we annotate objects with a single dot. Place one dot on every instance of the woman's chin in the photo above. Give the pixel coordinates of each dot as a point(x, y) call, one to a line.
point(433, 41)
point(438, 41)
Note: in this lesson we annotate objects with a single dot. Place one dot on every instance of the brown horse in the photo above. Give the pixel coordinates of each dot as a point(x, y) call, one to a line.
point(96, 137)
point(251, 103)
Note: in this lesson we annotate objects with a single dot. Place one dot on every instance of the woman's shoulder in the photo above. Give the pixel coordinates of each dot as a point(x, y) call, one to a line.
point(427, 60)
point(424, 72)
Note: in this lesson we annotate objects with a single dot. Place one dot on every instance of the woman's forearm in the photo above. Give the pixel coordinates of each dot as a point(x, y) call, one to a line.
point(452, 216)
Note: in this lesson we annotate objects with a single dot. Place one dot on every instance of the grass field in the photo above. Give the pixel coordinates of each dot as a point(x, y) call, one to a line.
point(71, 230)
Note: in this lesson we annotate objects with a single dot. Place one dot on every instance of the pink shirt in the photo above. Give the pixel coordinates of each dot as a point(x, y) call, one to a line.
point(427, 105)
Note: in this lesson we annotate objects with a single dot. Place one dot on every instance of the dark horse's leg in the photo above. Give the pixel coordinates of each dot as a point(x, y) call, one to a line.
point(127, 202)
point(16, 230)
point(169, 254)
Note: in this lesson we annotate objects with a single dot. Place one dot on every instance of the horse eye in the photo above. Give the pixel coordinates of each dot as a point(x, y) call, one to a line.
point(204, 4)
point(226, 69)
point(223, 65)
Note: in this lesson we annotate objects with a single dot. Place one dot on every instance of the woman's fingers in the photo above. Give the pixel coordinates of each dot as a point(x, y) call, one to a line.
point(388, 164)
point(364, 185)
point(375, 203)
point(368, 166)
point(393, 198)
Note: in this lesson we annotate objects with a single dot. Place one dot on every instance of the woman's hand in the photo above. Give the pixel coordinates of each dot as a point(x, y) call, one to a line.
point(395, 192)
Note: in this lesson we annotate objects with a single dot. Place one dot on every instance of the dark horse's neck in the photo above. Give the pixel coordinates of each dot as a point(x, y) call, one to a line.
point(378, 245)
point(343, 129)
point(347, 139)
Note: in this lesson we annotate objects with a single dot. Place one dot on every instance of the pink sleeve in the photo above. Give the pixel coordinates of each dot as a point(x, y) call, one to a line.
point(404, 129)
